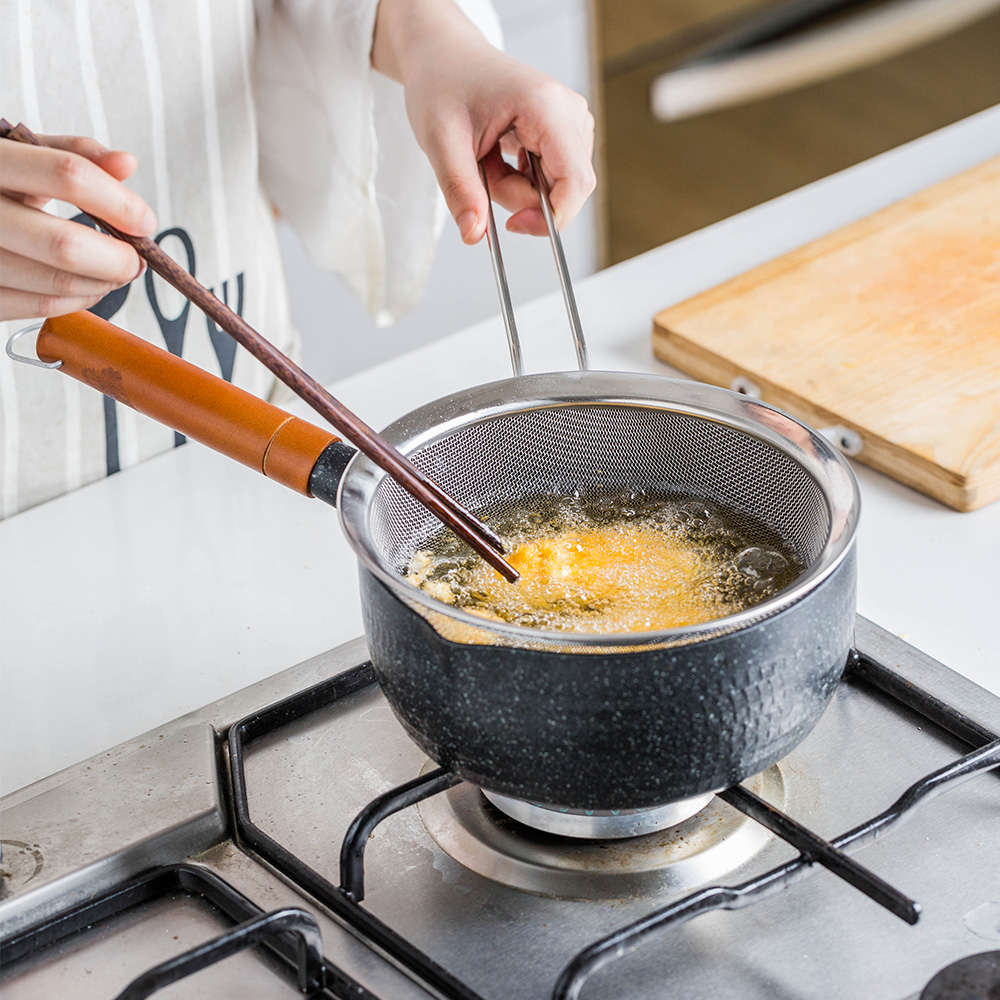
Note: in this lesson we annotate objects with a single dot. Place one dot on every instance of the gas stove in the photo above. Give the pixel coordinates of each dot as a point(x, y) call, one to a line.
point(290, 839)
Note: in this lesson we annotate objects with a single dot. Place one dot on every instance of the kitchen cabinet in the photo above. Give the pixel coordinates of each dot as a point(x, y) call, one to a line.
point(660, 180)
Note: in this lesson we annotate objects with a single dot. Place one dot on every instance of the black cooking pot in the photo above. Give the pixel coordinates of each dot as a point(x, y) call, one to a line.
point(608, 721)
point(577, 721)
point(619, 729)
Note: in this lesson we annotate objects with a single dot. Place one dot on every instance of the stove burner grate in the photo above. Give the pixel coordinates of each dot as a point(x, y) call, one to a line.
point(736, 897)
point(340, 900)
point(315, 975)
point(344, 900)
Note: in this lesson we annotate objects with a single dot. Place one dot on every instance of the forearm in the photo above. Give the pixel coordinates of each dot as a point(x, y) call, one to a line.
point(404, 29)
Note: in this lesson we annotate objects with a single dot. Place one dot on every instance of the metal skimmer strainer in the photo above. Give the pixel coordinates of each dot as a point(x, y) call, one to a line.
point(496, 445)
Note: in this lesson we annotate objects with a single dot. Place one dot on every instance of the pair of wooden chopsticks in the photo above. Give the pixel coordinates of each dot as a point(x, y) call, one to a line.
point(448, 510)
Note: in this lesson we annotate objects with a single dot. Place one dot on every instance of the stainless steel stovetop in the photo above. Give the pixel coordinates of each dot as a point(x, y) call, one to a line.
point(201, 830)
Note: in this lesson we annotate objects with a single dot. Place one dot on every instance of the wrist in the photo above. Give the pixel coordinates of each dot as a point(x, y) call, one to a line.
point(409, 32)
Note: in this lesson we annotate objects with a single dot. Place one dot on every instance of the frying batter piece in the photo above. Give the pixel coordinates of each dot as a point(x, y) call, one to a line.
point(672, 565)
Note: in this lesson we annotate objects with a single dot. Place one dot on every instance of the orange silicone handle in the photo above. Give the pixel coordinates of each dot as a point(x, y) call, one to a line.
point(185, 397)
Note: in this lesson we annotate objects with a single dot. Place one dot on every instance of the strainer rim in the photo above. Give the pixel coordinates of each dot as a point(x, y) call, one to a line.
point(443, 417)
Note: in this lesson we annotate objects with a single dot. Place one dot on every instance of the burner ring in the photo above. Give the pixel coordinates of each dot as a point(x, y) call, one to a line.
point(704, 847)
point(975, 977)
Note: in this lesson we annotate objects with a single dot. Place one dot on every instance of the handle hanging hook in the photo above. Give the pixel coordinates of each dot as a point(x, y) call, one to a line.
point(23, 358)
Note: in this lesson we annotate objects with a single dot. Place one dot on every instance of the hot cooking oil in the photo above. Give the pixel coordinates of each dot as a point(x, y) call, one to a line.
point(611, 564)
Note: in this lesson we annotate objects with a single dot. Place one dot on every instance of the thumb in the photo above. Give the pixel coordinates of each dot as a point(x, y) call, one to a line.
point(457, 171)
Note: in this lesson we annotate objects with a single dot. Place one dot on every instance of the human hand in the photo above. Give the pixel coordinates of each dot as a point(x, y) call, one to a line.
point(50, 266)
point(467, 102)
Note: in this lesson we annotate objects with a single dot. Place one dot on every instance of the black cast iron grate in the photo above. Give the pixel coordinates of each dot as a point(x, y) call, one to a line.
point(292, 935)
point(345, 899)
point(334, 898)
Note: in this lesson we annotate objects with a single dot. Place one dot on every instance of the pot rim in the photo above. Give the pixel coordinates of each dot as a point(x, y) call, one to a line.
point(445, 416)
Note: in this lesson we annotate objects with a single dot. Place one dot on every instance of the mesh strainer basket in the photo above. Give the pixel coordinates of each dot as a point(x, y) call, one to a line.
point(495, 445)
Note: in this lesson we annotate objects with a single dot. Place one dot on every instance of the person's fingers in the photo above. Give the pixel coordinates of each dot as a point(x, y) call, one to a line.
point(529, 221)
point(559, 127)
point(570, 177)
point(119, 164)
point(567, 196)
point(29, 275)
point(65, 245)
point(32, 201)
point(17, 304)
point(515, 191)
point(452, 156)
point(508, 187)
point(81, 176)
point(562, 134)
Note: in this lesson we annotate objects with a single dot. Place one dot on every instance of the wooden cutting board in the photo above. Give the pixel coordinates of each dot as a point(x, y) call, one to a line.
point(889, 327)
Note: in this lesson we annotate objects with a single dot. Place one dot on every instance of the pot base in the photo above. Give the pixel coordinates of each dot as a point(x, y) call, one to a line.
point(698, 849)
point(597, 824)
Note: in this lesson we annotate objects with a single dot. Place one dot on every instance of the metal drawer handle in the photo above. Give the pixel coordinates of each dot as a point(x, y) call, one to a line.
point(729, 80)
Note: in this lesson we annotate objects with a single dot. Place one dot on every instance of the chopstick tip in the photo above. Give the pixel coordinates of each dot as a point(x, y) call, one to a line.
point(497, 561)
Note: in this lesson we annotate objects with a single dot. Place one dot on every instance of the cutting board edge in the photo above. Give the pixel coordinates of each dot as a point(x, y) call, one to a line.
point(854, 232)
point(961, 493)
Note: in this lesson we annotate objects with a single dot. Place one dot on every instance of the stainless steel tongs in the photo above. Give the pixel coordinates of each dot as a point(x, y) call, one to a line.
point(507, 309)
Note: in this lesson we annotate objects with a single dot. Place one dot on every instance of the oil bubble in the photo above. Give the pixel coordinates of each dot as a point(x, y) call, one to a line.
point(761, 564)
point(750, 561)
point(696, 513)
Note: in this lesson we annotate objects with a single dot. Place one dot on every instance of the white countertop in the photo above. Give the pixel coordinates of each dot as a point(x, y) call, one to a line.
point(146, 595)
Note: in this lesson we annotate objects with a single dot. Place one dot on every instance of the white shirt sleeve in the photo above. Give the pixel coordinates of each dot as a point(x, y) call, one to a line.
point(337, 155)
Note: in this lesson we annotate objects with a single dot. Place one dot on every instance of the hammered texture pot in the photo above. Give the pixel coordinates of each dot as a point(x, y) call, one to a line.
point(614, 730)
